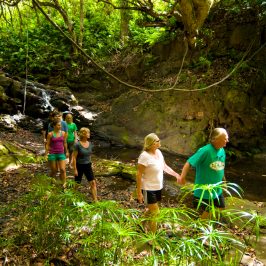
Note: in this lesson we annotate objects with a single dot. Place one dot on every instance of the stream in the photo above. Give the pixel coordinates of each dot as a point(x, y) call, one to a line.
point(249, 174)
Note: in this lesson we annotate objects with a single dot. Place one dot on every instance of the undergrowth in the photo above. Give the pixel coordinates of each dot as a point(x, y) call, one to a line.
point(51, 223)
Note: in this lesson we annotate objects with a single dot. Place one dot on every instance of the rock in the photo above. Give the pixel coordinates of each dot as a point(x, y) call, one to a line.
point(115, 168)
point(250, 260)
point(13, 156)
point(8, 123)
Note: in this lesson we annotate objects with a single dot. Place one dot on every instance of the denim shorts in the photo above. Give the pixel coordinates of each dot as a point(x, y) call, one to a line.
point(56, 157)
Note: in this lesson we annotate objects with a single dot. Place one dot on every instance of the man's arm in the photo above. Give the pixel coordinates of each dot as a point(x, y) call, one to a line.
point(184, 173)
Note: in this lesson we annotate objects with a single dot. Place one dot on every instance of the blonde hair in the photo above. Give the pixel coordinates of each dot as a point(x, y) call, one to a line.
point(216, 133)
point(149, 140)
point(83, 131)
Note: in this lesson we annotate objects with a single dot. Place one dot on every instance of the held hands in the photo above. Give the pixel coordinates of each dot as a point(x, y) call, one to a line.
point(180, 180)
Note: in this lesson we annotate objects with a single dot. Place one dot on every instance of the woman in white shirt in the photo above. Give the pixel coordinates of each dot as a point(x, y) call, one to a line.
point(151, 166)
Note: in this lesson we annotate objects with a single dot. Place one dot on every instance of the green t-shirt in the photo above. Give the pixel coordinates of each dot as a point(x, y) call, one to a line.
point(209, 164)
point(71, 130)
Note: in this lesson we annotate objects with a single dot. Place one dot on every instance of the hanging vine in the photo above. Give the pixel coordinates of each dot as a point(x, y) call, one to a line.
point(172, 88)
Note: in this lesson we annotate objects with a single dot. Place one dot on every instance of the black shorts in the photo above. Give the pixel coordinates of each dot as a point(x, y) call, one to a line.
point(85, 169)
point(206, 203)
point(70, 146)
point(152, 196)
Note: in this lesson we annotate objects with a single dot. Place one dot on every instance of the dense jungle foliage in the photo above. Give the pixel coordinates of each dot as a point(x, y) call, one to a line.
point(30, 44)
point(48, 226)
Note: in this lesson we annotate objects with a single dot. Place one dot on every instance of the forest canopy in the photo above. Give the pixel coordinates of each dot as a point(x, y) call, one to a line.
point(101, 28)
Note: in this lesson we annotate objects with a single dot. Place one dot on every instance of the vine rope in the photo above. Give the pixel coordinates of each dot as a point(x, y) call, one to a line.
point(172, 88)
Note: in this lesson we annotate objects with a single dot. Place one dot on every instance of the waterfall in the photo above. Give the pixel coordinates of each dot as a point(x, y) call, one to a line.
point(84, 112)
point(46, 100)
point(46, 96)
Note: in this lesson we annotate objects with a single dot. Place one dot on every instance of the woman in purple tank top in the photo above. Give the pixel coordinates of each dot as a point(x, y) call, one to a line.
point(55, 148)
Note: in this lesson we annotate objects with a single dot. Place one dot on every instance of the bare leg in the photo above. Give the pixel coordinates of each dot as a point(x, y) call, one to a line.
point(58, 167)
point(62, 167)
point(93, 190)
point(70, 160)
point(153, 211)
point(53, 168)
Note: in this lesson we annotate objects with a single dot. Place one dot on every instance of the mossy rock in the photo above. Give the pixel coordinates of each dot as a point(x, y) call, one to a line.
point(3, 149)
point(244, 213)
point(129, 171)
point(197, 140)
point(3, 96)
point(8, 162)
point(236, 101)
point(14, 149)
point(12, 156)
point(114, 168)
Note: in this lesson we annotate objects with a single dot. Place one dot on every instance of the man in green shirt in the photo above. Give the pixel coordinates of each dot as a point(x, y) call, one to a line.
point(209, 163)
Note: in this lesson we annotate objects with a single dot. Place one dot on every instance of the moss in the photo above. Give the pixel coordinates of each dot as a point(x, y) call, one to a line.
point(3, 95)
point(197, 140)
point(236, 100)
point(12, 156)
point(13, 149)
point(8, 162)
point(125, 137)
point(129, 171)
point(96, 84)
point(114, 168)
point(3, 149)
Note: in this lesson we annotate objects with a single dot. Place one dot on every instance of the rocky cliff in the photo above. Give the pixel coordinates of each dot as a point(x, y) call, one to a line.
point(183, 119)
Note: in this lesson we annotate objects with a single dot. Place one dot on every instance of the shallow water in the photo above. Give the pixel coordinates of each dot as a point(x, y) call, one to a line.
point(249, 174)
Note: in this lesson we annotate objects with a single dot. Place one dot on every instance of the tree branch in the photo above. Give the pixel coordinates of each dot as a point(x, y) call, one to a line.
point(145, 89)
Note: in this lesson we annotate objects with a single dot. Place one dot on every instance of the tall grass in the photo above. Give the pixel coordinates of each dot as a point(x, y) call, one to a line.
point(53, 223)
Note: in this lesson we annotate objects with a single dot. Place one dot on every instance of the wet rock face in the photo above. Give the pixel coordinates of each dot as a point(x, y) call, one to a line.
point(183, 120)
point(38, 100)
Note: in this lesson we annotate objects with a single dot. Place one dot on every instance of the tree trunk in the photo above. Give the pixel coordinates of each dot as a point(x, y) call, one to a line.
point(124, 24)
point(194, 13)
point(81, 22)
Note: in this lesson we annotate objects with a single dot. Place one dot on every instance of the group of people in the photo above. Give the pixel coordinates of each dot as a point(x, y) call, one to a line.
point(62, 141)
point(208, 161)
